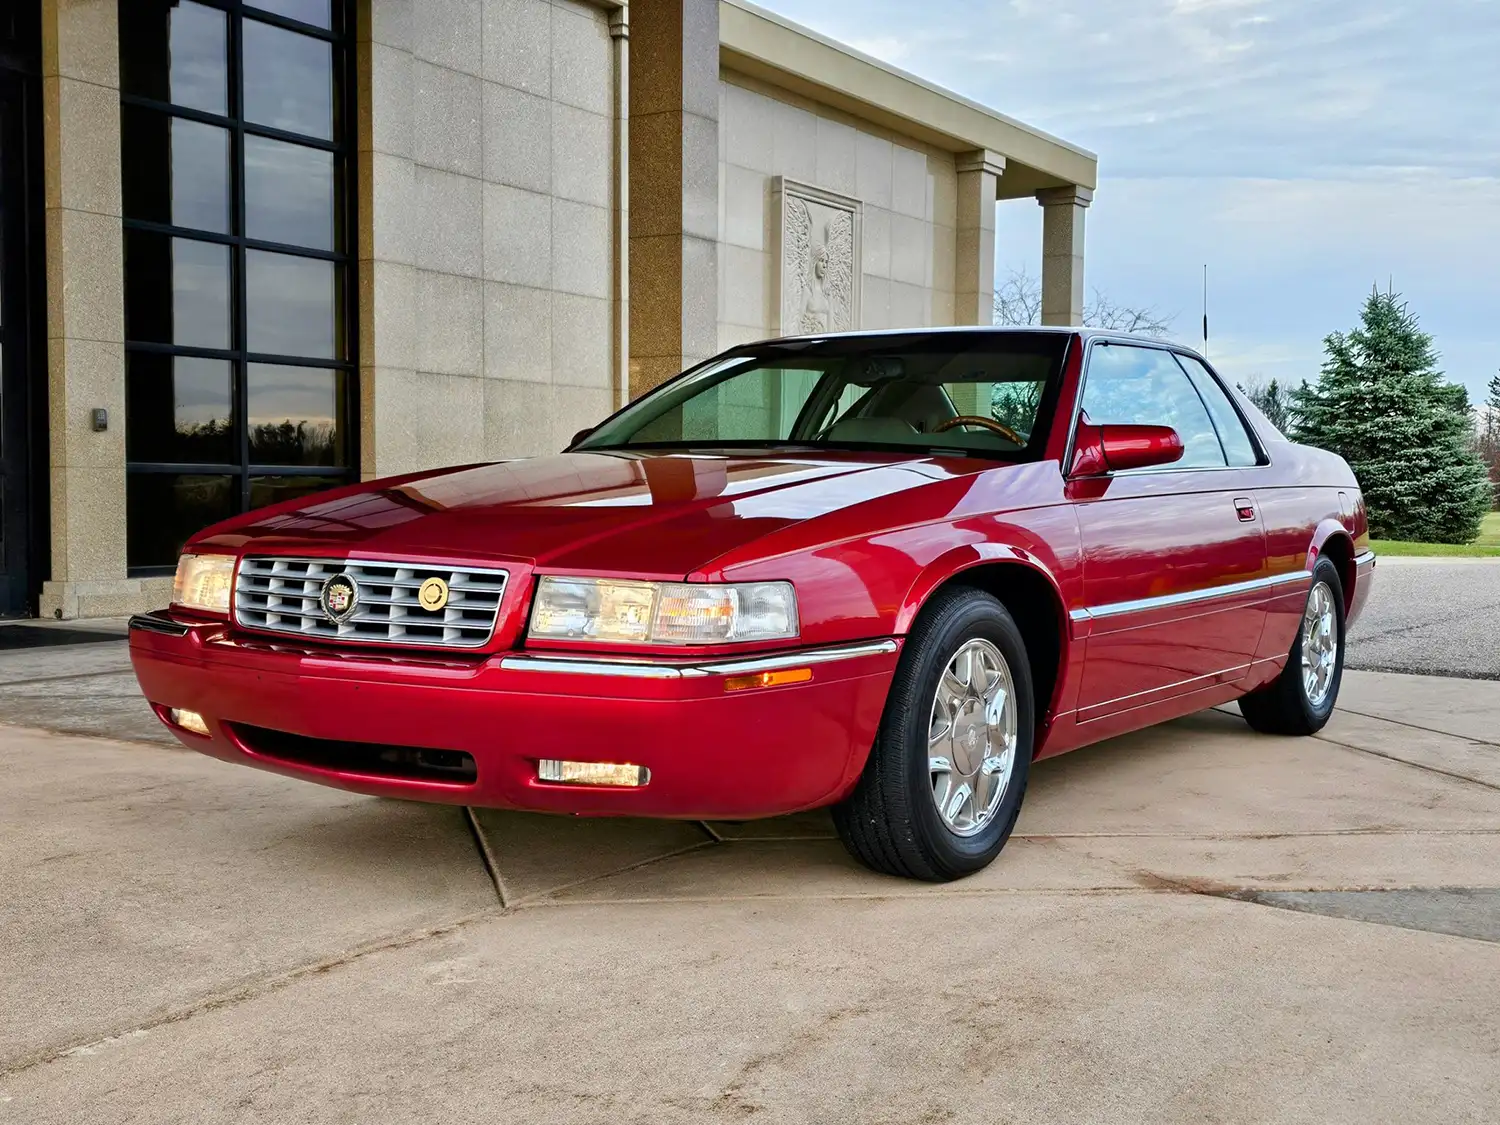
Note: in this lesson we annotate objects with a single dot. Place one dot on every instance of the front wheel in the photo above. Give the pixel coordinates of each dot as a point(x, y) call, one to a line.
point(943, 785)
point(1301, 699)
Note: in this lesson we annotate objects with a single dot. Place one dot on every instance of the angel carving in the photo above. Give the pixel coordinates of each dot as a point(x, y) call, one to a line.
point(796, 264)
point(819, 263)
point(838, 270)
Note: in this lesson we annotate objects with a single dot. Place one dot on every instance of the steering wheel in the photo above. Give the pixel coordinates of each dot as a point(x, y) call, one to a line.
point(976, 420)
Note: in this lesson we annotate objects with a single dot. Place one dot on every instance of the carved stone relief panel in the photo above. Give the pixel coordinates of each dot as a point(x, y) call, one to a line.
point(816, 250)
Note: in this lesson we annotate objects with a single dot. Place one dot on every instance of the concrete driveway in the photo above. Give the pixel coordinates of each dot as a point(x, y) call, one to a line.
point(1194, 923)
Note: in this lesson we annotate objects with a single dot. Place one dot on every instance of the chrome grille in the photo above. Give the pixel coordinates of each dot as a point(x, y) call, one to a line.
point(282, 595)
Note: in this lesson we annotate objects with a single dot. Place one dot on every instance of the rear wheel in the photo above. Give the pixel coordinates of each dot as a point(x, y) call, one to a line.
point(1301, 699)
point(943, 785)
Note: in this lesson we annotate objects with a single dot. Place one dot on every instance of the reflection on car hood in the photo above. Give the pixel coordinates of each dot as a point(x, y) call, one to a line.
point(601, 512)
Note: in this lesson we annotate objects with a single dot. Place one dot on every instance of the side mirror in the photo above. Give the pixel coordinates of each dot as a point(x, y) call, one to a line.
point(1112, 449)
point(579, 436)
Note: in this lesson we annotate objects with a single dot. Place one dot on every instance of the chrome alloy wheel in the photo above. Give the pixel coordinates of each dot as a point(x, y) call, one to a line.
point(1320, 644)
point(971, 739)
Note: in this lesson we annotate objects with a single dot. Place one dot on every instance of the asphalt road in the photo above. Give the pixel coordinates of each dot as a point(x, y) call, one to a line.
point(1431, 617)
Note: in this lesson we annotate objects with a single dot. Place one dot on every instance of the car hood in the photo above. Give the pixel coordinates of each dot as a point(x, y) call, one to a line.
point(607, 513)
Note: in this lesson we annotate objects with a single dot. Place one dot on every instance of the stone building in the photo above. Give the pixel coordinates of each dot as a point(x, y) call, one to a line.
point(252, 250)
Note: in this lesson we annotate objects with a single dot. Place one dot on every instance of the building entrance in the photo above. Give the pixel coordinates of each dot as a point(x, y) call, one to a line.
point(22, 327)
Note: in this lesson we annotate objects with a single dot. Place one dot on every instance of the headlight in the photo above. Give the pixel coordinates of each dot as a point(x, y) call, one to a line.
point(203, 582)
point(601, 609)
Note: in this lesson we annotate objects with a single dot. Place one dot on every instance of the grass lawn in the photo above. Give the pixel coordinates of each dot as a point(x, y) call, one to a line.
point(1486, 546)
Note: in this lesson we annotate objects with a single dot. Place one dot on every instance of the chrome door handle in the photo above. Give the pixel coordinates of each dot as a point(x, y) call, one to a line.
point(1244, 507)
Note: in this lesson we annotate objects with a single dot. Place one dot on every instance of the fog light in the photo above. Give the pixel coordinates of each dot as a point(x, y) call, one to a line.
point(188, 720)
point(592, 773)
point(768, 679)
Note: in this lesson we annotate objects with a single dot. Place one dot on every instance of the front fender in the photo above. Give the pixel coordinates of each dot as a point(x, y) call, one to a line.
point(1057, 655)
point(966, 557)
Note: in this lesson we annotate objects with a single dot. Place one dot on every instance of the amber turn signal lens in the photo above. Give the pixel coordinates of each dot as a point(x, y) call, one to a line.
point(768, 679)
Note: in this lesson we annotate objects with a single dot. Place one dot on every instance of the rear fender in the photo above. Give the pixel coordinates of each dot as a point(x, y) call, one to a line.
point(1328, 529)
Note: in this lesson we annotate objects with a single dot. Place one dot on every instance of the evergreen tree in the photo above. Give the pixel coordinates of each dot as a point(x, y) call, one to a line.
point(1381, 403)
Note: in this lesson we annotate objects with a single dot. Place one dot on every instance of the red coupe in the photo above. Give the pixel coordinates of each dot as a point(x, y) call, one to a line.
point(878, 571)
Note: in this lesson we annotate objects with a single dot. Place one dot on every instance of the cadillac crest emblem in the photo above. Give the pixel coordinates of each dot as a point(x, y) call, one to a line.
point(339, 597)
point(433, 595)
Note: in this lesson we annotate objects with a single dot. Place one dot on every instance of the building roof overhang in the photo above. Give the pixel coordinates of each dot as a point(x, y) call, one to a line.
point(773, 50)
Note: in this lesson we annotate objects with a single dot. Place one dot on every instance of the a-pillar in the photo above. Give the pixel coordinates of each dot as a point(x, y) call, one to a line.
point(979, 175)
point(674, 187)
point(1062, 253)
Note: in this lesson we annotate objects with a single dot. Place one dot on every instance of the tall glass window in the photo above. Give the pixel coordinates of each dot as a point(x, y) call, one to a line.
point(236, 145)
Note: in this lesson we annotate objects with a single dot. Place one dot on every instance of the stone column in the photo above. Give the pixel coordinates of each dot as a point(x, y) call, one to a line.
point(674, 188)
point(979, 173)
point(85, 313)
point(1062, 253)
point(386, 238)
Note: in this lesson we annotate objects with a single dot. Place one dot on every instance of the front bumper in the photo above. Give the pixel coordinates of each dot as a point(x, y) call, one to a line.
point(712, 753)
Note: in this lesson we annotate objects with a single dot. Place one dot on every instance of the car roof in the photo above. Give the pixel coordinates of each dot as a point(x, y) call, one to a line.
point(985, 329)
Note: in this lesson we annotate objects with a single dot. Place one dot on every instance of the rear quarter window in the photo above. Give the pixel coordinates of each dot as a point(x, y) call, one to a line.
point(1239, 447)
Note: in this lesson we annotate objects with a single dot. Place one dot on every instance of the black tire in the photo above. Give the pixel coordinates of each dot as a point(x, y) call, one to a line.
point(891, 822)
point(1283, 705)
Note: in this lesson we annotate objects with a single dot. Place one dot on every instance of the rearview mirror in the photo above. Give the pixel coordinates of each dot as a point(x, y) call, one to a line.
point(1113, 449)
point(875, 370)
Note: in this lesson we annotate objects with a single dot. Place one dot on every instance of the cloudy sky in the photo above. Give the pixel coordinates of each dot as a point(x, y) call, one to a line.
point(1304, 149)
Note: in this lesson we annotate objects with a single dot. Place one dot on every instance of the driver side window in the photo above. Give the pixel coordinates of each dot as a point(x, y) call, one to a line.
point(1127, 385)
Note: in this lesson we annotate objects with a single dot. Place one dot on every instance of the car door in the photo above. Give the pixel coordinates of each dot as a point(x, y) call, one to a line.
point(1289, 513)
point(1174, 556)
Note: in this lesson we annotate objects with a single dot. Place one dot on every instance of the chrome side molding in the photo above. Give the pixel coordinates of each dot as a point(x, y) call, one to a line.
point(1188, 597)
point(640, 669)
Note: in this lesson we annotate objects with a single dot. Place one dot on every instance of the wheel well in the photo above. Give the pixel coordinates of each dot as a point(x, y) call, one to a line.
point(1338, 550)
point(1037, 612)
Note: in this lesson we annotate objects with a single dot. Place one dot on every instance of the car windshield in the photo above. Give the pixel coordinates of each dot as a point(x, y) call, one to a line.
point(987, 394)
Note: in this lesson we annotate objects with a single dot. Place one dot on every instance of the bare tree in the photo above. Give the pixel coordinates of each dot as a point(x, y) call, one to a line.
point(1018, 300)
point(1104, 313)
point(1489, 433)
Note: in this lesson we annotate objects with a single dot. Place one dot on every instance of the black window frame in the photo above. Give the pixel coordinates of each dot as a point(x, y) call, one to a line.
point(341, 35)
